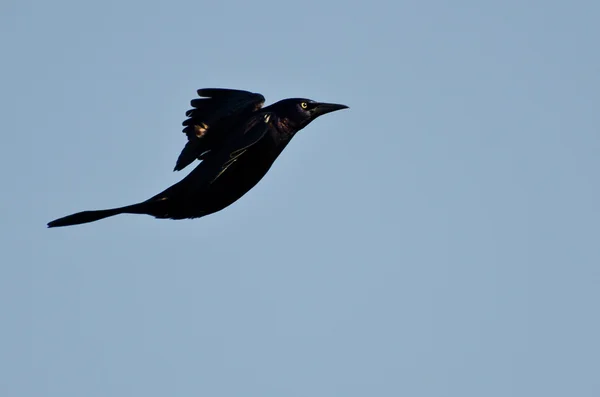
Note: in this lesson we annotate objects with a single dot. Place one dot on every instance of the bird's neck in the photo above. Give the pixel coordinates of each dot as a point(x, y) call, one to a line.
point(286, 127)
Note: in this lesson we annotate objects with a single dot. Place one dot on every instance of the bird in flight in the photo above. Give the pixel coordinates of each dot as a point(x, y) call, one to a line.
point(237, 141)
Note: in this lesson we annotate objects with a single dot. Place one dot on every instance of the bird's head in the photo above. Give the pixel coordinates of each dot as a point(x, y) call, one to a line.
point(300, 111)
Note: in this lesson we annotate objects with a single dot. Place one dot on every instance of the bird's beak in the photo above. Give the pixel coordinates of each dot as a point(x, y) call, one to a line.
point(324, 108)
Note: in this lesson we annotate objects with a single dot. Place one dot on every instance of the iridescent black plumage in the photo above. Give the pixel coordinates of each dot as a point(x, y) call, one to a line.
point(236, 140)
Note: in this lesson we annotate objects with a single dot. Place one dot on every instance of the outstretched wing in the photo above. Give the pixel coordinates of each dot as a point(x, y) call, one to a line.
point(213, 116)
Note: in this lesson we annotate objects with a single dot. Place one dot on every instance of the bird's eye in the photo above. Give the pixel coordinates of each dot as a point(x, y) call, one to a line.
point(304, 105)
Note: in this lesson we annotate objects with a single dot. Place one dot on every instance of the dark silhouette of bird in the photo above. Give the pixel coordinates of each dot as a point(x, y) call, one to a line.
point(237, 141)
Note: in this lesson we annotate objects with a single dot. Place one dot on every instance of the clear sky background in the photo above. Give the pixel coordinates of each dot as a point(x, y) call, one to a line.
point(439, 238)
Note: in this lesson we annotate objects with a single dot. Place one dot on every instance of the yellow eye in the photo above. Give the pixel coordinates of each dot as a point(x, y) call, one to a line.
point(304, 105)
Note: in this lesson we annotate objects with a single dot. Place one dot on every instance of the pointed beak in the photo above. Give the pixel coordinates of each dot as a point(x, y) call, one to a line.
point(324, 108)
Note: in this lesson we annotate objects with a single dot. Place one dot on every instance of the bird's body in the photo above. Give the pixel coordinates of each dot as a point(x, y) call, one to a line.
point(237, 142)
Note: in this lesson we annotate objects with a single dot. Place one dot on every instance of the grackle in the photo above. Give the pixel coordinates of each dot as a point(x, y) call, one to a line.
point(237, 141)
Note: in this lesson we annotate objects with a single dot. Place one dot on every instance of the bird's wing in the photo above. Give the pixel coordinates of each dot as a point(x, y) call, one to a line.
point(217, 165)
point(256, 128)
point(214, 115)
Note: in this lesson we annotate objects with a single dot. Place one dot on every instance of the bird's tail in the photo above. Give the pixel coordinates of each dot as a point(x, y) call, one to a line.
point(92, 216)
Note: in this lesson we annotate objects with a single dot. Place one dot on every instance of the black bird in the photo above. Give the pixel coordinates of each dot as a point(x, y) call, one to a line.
point(237, 141)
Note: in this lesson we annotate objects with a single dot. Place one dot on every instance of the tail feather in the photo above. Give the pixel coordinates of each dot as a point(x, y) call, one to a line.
point(92, 216)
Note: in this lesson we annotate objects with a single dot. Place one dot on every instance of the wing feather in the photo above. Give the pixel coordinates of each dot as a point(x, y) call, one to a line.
point(254, 132)
point(212, 118)
point(217, 165)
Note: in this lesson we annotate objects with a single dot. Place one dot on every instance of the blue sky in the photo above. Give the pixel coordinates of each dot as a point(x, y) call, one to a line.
point(439, 238)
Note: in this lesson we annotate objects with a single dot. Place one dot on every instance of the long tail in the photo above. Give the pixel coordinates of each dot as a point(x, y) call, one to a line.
point(92, 216)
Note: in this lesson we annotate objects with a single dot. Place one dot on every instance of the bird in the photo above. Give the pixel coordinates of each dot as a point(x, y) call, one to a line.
point(235, 138)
